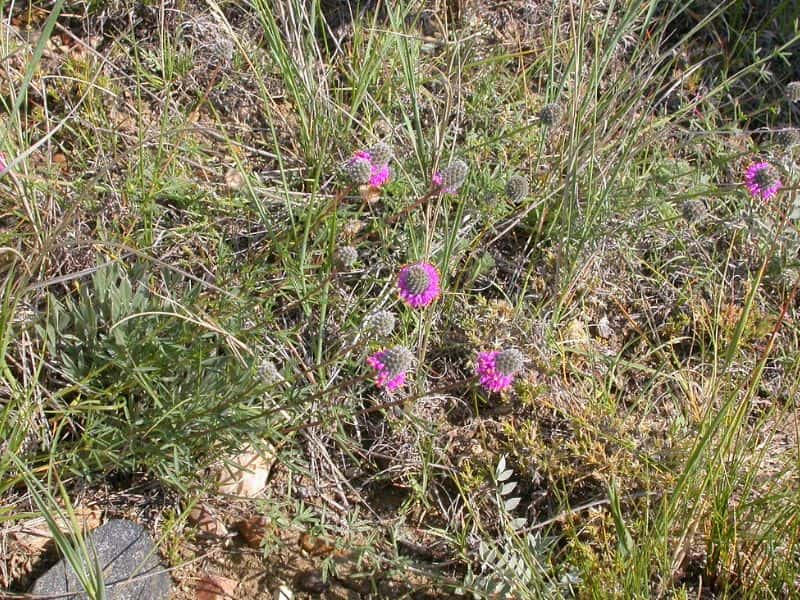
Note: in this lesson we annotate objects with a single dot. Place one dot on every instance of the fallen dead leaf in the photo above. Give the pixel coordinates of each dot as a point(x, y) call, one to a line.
point(315, 546)
point(575, 334)
point(369, 193)
point(253, 530)
point(214, 587)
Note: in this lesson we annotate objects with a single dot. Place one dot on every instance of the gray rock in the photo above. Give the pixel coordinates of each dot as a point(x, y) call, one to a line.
point(132, 568)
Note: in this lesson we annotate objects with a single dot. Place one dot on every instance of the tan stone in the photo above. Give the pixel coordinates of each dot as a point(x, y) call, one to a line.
point(245, 474)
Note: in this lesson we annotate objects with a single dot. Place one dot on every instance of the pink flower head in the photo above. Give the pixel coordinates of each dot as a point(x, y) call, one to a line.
point(451, 178)
point(380, 175)
point(369, 168)
point(3, 164)
point(419, 284)
point(762, 180)
point(496, 369)
point(391, 366)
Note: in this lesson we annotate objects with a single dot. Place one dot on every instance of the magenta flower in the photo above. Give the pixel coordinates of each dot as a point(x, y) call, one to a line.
point(496, 369)
point(762, 180)
point(369, 167)
point(419, 284)
point(391, 366)
point(3, 164)
point(379, 176)
point(452, 177)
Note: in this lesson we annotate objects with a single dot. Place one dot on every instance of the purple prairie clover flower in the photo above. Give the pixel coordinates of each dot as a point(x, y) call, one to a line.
point(368, 167)
point(3, 164)
point(762, 180)
point(359, 167)
point(452, 177)
point(419, 284)
point(496, 369)
point(391, 366)
point(379, 176)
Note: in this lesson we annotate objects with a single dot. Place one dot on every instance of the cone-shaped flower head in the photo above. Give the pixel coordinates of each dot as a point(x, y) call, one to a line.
point(370, 167)
point(693, 210)
point(451, 177)
point(787, 138)
point(496, 369)
point(380, 323)
point(793, 91)
point(359, 168)
point(391, 366)
point(517, 188)
point(380, 175)
point(346, 256)
point(419, 284)
point(550, 114)
point(381, 153)
point(762, 180)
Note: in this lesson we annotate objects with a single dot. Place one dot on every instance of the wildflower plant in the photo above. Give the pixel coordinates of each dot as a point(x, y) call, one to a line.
point(419, 284)
point(381, 153)
point(452, 177)
point(550, 114)
point(390, 366)
point(345, 257)
point(359, 168)
point(381, 323)
point(762, 181)
point(496, 369)
point(517, 188)
point(370, 167)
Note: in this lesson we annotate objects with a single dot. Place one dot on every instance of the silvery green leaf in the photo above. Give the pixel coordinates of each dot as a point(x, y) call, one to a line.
point(508, 488)
point(519, 523)
point(501, 467)
point(512, 503)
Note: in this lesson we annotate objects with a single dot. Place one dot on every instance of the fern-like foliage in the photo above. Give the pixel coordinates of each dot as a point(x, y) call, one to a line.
point(517, 564)
point(143, 384)
point(85, 333)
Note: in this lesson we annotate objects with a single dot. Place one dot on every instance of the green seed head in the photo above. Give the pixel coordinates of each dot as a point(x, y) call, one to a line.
point(454, 175)
point(509, 361)
point(417, 280)
point(397, 360)
point(550, 114)
point(359, 170)
point(346, 256)
point(269, 372)
point(381, 153)
point(517, 188)
point(380, 323)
